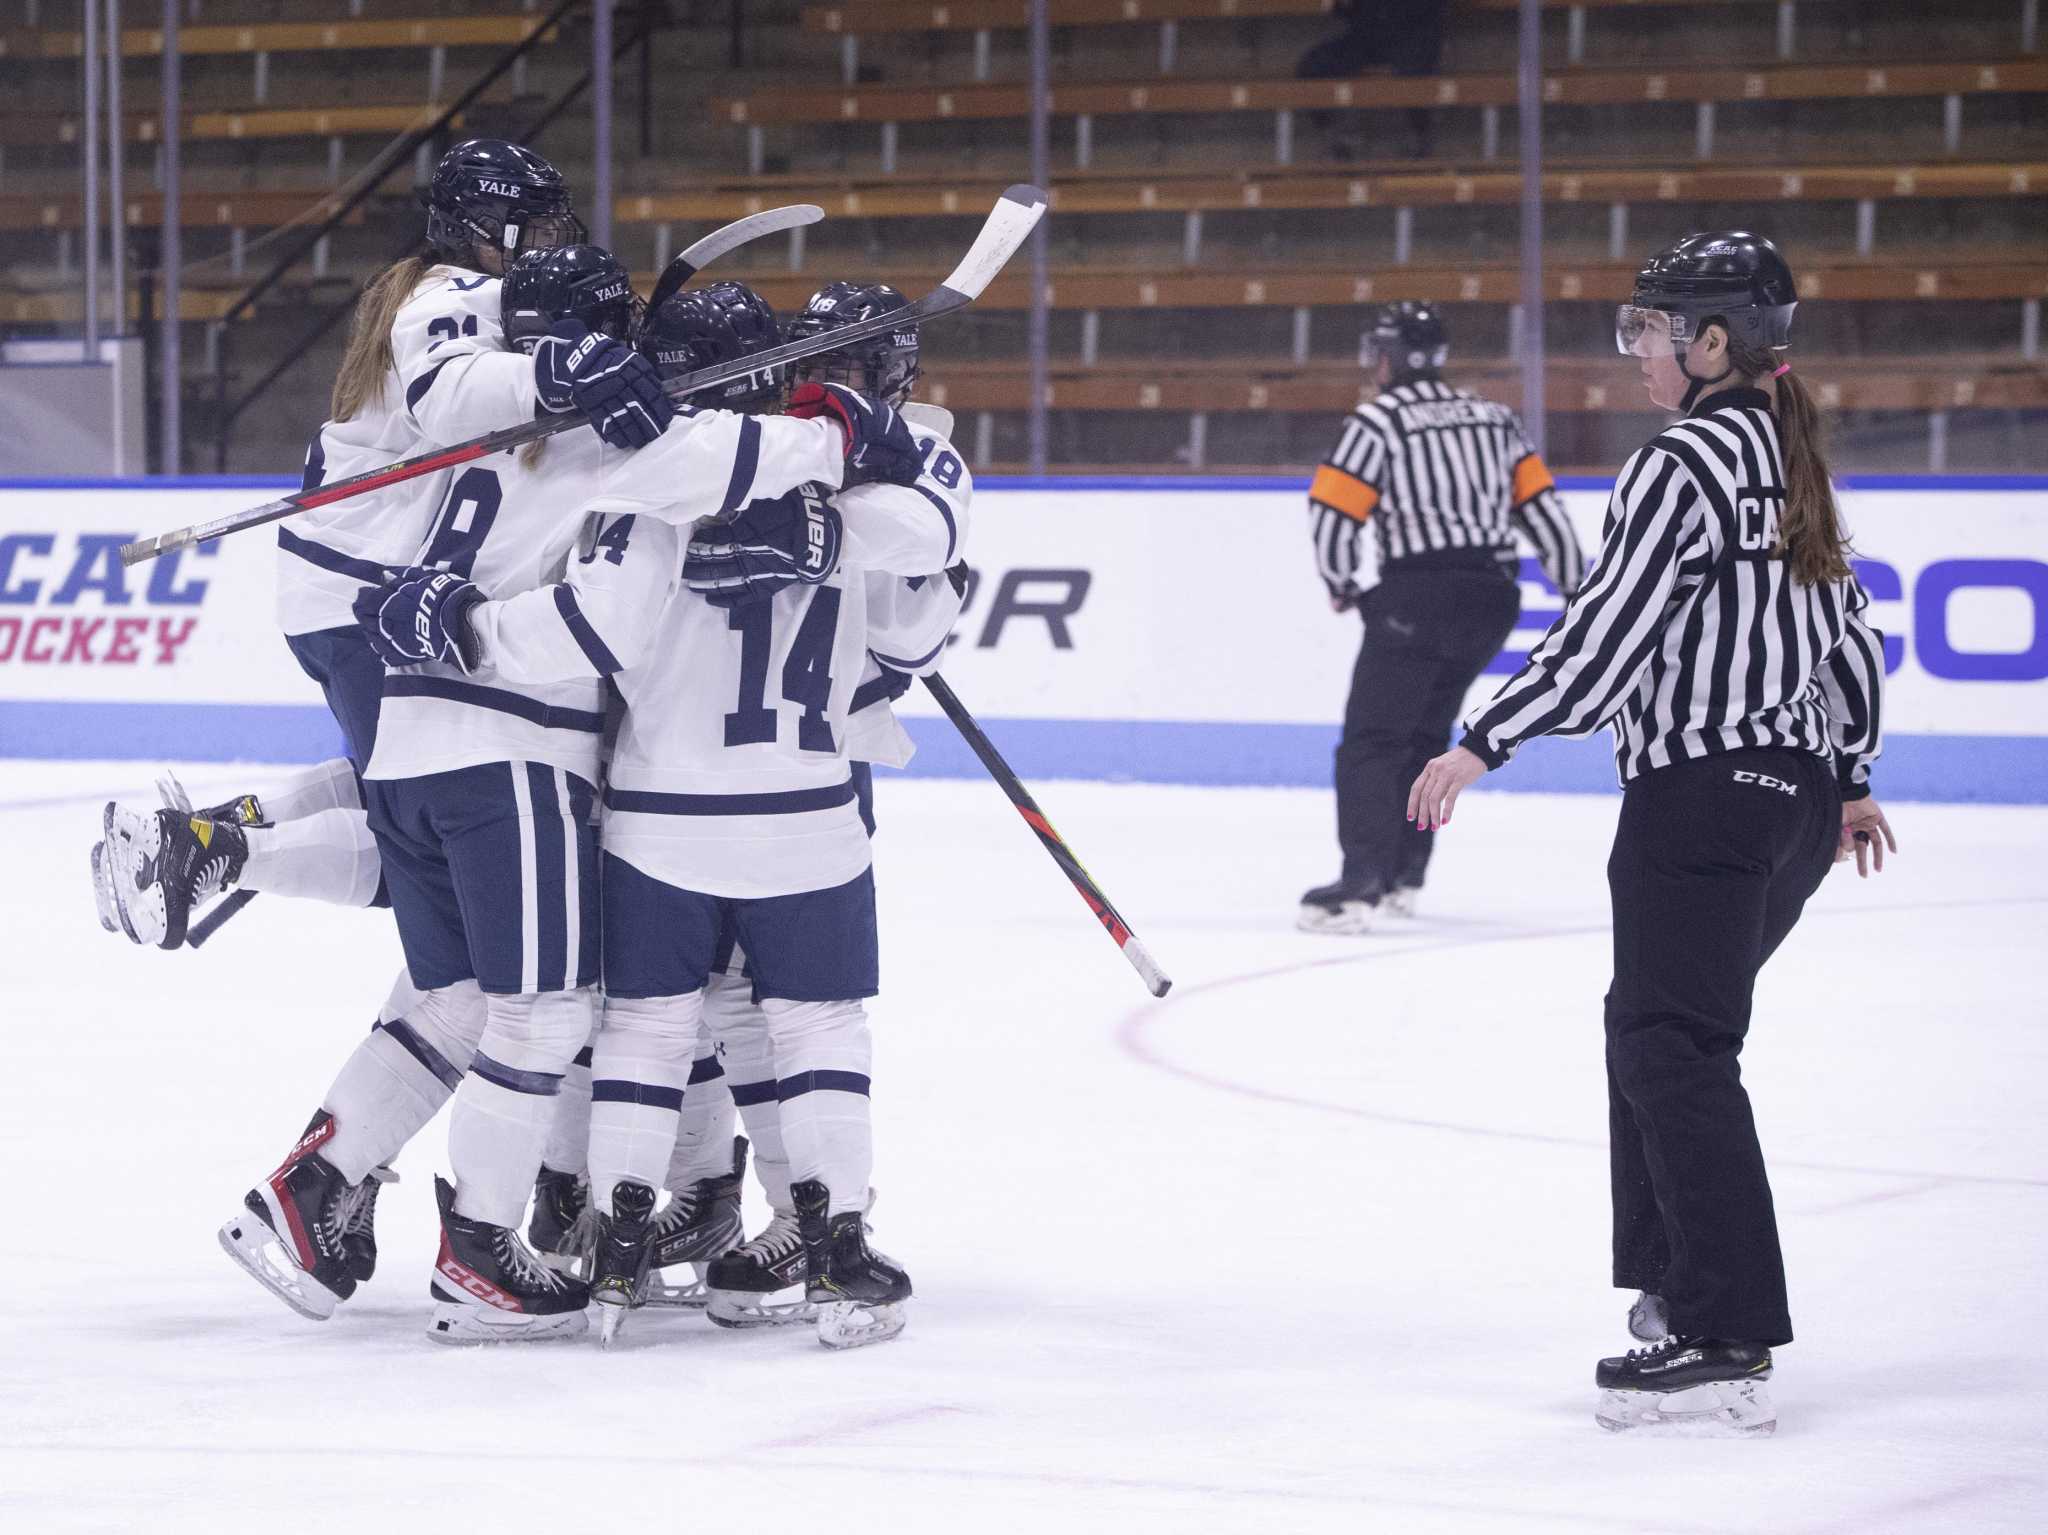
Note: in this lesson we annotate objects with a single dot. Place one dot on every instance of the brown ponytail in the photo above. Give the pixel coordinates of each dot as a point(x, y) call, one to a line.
point(367, 361)
point(1810, 534)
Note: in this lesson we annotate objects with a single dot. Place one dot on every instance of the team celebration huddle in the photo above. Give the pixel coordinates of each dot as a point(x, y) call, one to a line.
point(610, 700)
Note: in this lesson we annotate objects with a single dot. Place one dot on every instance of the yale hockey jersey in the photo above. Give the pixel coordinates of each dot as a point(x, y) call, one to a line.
point(731, 772)
point(510, 523)
point(451, 379)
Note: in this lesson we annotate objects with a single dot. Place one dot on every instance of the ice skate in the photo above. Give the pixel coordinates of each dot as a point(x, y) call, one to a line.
point(563, 1227)
point(103, 889)
point(702, 1222)
point(163, 864)
point(1402, 901)
point(1646, 1320)
point(625, 1241)
point(359, 1229)
point(1343, 906)
point(488, 1287)
point(858, 1292)
point(761, 1282)
point(294, 1237)
point(1699, 1387)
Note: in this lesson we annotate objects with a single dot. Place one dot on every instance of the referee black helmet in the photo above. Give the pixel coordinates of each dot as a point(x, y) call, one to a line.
point(1731, 276)
point(1410, 337)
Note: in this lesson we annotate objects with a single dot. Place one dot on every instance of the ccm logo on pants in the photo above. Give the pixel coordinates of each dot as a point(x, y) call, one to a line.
point(1766, 781)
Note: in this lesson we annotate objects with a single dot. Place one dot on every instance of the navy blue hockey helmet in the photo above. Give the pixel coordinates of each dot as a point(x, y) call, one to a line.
point(883, 366)
point(491, 194)
point(703, 327)
point(1410, 335)
point(571, 282)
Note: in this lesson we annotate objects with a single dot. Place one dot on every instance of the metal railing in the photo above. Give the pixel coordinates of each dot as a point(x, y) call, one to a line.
point(395, 156)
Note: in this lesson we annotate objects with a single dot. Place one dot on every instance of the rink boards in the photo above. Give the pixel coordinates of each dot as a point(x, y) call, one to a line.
point(1165, 630)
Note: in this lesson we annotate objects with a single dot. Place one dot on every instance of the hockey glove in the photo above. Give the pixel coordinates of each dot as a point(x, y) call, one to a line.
point(421, 615)
point(575, 368)
point(878, 441)
point(771, 545)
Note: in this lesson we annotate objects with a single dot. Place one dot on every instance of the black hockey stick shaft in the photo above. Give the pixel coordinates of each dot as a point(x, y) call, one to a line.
point(1005, 229)
point(1156, 980)
point(209, 924)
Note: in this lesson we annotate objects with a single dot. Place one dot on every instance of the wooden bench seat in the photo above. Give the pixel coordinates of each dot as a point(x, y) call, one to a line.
point(286, 37)
point(1568, 87)
point(198, 210)
point(254, 123)
point(860, 16)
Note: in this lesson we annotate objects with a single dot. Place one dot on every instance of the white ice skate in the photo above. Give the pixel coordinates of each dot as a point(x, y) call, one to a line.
point(1340, 907)
point(1401, 902)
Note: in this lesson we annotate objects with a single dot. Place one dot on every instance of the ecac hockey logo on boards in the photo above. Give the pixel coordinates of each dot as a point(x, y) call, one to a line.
point(83, 572)
point(1764, 780)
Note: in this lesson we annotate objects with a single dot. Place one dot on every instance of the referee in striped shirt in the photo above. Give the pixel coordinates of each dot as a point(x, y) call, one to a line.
point(1444, 479)
point(1721, 635)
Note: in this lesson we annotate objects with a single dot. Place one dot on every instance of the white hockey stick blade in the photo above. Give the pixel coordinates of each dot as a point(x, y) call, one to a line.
point(699, 254)
point(1009, 223)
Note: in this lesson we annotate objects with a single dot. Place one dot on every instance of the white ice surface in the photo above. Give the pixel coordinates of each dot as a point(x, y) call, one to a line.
point(1319, 1243)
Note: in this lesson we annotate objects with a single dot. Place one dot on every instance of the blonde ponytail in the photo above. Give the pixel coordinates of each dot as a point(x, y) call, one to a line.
point(360, 383)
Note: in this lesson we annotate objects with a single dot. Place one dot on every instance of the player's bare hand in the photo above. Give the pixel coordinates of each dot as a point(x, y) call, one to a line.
point(1436, 790)
point(1867, 834)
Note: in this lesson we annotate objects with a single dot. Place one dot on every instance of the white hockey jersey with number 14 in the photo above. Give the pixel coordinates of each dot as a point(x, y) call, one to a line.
point(510, 524)
point(732, 773)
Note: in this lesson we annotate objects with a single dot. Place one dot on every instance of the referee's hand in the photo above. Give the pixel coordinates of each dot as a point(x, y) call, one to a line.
point(1437, 789)
point(1867, 834)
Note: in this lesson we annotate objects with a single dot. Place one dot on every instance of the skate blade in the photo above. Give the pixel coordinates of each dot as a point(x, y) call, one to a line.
point(1730, 1409)
point(611, 1322)
point(259, 1253)
point(103, 889)
point(846, 1324)
point(131, 841)
point(691, 1294)
point(454, 1322)
point(742, 1309)
point(1353, 918)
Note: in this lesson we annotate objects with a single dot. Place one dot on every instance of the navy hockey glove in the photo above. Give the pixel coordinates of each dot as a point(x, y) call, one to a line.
point(771, 545)
point(878, 441)
point(421, 615)
point(575, 368)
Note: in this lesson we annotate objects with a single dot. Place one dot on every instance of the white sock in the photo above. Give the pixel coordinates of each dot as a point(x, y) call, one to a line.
point(328, 855)
point(823, 1055)
point(704, 1129)
point(329, 786)
point(499, 1123)
point(400, 1075)
point(741, 1030)
point(639, 1066)
point(568, 1147)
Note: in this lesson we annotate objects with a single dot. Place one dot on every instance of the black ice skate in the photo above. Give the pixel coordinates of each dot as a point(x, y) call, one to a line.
point(294, 1237)
point(488, 1287)
point(163, 864)
point(702, 1222)
point(1343, 906)
point(563, 1227)
point(1646, 1320)
point(858, 1292)
point(359, 1234)
point(745, 1284)
point(1688, 1385)
point(625, 1241)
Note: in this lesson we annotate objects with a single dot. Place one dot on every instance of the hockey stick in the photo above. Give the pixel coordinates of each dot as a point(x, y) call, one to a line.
point(197, 934)
point(1156, 980)
point(1005, 229)
point(707, 250)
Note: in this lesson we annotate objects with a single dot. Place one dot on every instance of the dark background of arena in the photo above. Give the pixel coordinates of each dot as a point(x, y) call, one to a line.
point(1207, 259)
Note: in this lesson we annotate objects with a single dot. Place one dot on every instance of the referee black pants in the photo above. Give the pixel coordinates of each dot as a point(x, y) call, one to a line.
point(1712, 863)
point(1428, 635)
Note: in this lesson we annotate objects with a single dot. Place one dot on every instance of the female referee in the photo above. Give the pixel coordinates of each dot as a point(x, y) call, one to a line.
point(1720, 633)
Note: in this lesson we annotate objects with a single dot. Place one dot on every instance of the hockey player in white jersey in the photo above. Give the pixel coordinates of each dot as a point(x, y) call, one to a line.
point(482, 779)
point(425, 366)
point(731, 798)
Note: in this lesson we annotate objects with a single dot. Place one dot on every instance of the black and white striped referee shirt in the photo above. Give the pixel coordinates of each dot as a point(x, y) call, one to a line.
point(1435, 468)
point(1690, 636)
